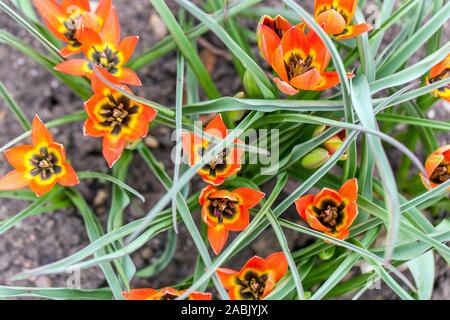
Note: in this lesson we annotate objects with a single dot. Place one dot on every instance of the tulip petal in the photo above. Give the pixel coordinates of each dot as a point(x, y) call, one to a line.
point(278, 264)
point(69, 50)
point(39, 133)
point(205, 193)
point(321, 5)
point(41, 189)
point(127, 47)
point(441, 66)
point(103, 8)
point(139, 294)
point(111, 29)
point(268, 41)
point(242, 221)
point(91, 130)
point(256, 263)
point(354, 30)
point(302, 203)
point(13, 180)
point(200, 296)
point(349, 190)
point(216, 127)
point(226, 276)
point(332, 21)
point(112, 149)
point(341, 235)
point(70, 178)
point(325, 194)
point(17, 156)
point(128, 76)
point(329, 80)
point(294, 41)
point(249, 196)
point(349, 7)
point(307, 81)
point(76, 67)
point(350, 213)
point(319, 51)
point(98, 85)
point(217, 237)
point(285, 87)
point(189, 143)
point(278, 64)
point(89, 39)
point(51, 12)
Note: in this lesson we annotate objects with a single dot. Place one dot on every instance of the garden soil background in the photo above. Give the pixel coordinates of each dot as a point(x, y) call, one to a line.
point(46, 238)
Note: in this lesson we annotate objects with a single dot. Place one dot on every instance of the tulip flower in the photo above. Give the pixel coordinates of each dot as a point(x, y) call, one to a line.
point(441, 71)
point(330, 211)
point(163, 294)
point(113, 116)
point(65, 19)
point(224, 164)
point(336, 16)
point(106, 50)
point(298, 58)
point(38, 166)
point(256, 279)
point(437, 167)
point(225, 211)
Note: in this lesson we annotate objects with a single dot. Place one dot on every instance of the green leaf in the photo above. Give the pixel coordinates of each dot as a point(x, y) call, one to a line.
point(260, 77)
point(366, 115)
point(102, 176)
point(26, 125)
point(419, 38)
point(186, 48)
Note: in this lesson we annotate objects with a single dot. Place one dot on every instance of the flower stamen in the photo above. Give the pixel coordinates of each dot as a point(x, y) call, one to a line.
point(253, 285)
point(297, 66)
point(442, 173)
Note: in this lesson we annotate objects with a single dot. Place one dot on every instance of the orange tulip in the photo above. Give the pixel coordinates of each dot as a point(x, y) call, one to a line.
point(336, 15)
point(441, 71)
point(39, 166)
point(224, 164)
point(106, 50)
point(65, 19)
point(437, 167)
point(330, 211)
point(115, 117)
point(163, 294)
point(225, 211)
point(256, 279)
point(298, 58)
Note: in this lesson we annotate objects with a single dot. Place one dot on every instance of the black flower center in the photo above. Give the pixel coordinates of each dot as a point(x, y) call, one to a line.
point(441, 173)
point(218, 163)
point(330, 214)
point(297, 66)
point(45, 164)
point(71, 25)
point(222, 208)
point(106, 58)
point(252, 285)
point(117, 112)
